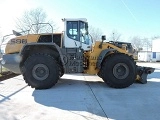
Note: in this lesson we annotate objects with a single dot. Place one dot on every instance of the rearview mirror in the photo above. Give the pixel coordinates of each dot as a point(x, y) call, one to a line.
point(103, 37)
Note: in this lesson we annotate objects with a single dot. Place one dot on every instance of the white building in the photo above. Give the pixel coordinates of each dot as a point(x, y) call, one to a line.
point(156, 50)
point(145, 56)
point(153, 55)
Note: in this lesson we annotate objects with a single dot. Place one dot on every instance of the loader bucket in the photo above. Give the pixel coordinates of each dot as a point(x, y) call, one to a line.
point(142, 73)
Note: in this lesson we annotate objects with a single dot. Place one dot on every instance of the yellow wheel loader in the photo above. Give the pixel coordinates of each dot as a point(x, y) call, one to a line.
point(43, 58)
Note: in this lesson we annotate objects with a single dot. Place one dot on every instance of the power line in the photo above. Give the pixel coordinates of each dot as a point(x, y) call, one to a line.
point(129, 10)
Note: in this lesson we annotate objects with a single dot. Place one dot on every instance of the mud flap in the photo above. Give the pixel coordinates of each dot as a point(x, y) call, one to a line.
point(142, 73)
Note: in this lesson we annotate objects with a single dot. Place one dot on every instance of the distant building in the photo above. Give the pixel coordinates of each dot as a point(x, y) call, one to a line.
point(145, 56)
point(153, 55)
point(156, 50)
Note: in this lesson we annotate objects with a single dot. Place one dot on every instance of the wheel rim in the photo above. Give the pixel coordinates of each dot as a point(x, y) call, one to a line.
point(120, 71)
point(40, 72)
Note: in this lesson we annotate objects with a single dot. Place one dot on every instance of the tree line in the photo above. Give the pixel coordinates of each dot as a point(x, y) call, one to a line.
point(38, 15)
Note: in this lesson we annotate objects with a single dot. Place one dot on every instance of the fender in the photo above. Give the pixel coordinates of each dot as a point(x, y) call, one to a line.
point(102, 55)
point(26, 46)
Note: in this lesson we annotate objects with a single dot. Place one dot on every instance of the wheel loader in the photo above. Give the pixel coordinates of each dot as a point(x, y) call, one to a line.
point(43, 58)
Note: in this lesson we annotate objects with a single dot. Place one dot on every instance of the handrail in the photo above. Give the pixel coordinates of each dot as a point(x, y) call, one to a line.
point(42, 23)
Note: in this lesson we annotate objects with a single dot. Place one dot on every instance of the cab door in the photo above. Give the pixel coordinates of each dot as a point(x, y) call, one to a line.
point(76, 35)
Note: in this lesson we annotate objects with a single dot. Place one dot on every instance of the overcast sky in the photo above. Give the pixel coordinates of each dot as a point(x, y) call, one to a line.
point(128, 17)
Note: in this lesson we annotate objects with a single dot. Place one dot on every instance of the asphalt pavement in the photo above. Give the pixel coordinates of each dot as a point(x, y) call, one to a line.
point(81, 97)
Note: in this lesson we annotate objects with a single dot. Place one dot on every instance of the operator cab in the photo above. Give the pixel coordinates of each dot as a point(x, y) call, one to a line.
point(76, 34)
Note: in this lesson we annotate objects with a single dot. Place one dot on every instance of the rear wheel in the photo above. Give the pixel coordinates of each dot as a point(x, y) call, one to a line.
point(119, 70)
point(61, 70)
point(41, 71)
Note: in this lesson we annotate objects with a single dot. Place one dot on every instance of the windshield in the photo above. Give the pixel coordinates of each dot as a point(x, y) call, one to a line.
point(85, 38)
point(84, 28)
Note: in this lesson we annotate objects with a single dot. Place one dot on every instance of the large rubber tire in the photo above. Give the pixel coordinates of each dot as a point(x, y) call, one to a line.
point(41, 71)
point(61, 71)
point(119, 70)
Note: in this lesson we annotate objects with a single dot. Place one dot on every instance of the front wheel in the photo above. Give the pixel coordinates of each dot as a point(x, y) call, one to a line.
point(119, 70)
point(41, 71)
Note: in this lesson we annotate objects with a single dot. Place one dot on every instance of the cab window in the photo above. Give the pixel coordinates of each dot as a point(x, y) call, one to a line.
point(83, 36)
point(72, 30)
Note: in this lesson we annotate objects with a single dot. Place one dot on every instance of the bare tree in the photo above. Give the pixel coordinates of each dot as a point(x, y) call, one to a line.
point(34, 16)
point(147, 42)
point(1, 36)
point(96, 33)
point(155, 37)
point(137, 43)
point(114, 36)
point(1, 40)
point(141, 44)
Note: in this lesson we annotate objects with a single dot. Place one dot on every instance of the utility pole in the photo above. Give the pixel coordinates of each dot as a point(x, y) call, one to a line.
point(113, 37)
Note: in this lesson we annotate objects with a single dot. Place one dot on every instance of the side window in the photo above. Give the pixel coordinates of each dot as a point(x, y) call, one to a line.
point(72, 30)
point(83, 37)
